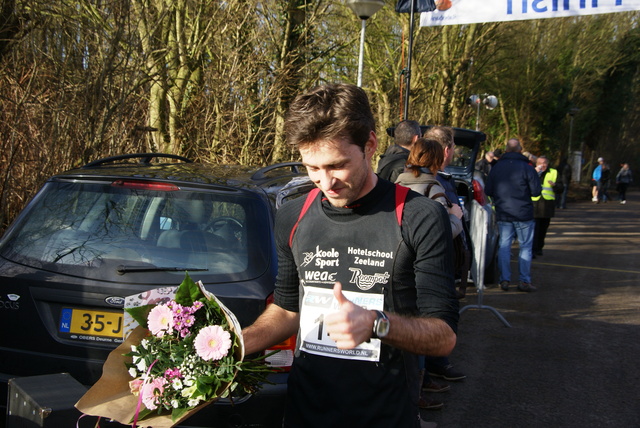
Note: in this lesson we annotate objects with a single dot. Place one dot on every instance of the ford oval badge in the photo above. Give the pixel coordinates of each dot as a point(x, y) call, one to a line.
point(115, 301)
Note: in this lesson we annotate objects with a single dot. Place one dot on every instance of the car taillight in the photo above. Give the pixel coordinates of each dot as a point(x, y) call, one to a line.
point(478, 193)
point(145, 185)
point(284, 358)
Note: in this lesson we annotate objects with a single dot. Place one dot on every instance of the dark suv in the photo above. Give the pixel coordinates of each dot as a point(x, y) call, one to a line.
point(123, 225)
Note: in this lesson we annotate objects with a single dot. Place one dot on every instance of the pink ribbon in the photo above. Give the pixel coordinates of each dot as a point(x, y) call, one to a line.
point(83, 415)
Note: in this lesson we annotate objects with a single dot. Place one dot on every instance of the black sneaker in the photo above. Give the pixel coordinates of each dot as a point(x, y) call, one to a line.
point(504, 285)
point(446, 373)
point(425, 403)
point(435, 387)
point(526, 287)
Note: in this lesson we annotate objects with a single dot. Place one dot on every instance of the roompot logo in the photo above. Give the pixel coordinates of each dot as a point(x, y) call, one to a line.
point(11, 302)
point(366, 282)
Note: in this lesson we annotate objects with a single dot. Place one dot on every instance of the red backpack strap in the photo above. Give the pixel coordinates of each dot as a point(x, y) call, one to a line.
point(401, 196)
point(311, 196)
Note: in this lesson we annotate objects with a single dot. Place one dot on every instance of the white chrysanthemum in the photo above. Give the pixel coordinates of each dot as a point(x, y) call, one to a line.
point(193, 402)
point(141, 365)
point(175, 404)
point(176, 384)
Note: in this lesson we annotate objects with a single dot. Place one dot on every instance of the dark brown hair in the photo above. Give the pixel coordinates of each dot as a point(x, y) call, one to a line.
point(330, 112)
point(425, 153)
point(405, 132)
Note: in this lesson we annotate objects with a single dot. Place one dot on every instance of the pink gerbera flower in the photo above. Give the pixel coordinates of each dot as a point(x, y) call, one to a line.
point(212, 343)
point(160, 320)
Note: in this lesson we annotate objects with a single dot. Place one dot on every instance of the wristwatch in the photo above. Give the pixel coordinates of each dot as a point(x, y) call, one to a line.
point(380, 325)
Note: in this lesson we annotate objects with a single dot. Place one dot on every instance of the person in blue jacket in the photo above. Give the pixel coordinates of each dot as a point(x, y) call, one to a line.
point(596, 178)
point(512, 183)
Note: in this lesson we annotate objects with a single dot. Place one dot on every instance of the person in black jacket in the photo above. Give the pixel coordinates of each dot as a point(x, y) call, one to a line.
point(512, 183)
point(564, 181)
point(605, 182)
point(392, 162)
point(623, 179)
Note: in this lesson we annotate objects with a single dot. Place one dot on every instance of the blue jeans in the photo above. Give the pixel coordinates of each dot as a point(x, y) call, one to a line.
point(523, 230)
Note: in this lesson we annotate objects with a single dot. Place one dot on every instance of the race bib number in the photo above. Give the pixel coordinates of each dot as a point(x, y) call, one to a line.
point(319, 302)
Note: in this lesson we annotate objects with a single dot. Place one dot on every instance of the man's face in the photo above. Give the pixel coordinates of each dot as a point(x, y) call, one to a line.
point(542, 164)
point(449, 152)
point(340, 169)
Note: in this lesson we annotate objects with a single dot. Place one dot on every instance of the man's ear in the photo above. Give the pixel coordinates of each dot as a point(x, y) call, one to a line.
point(371, 145)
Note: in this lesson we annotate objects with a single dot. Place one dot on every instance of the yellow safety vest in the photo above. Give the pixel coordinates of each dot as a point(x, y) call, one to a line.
point(547, 190)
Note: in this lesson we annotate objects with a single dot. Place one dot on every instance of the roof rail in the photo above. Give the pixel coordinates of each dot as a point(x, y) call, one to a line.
point(261, 174)
point(145, 158)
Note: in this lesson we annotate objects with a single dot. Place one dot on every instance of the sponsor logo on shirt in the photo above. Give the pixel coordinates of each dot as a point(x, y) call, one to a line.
point(365, 282)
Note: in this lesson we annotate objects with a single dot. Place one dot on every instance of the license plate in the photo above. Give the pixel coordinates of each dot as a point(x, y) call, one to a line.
point(92, 323)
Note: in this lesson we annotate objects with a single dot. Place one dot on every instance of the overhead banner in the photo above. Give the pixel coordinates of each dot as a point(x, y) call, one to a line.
point(454, 12)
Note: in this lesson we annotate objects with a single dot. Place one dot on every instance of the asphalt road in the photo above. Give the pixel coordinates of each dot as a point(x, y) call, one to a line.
point(571, 357)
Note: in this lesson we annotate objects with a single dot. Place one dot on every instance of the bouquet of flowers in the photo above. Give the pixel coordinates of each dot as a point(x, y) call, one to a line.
point(186, 352)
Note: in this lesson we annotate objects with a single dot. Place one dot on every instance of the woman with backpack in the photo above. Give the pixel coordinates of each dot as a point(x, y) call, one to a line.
point(425, 158)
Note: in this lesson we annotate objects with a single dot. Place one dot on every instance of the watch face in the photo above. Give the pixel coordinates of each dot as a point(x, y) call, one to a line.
point(382, 327)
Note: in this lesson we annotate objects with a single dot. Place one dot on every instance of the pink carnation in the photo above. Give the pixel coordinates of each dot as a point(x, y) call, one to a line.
point(212, 343)
point(160, 320)
point(152, 392)
point(172, 373)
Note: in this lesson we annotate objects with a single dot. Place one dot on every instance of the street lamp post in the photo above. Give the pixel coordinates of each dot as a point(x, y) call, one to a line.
point(364, 9)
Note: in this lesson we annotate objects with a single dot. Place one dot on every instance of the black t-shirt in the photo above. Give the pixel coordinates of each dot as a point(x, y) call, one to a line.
point(361, 393)
point(426, 232)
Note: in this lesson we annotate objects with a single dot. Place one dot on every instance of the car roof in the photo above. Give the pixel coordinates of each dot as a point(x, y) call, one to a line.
point(468, 138)
point(177, 169)
point(462, 136)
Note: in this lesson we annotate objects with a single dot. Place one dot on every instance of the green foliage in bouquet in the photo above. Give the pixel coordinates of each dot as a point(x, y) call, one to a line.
point(193, 355)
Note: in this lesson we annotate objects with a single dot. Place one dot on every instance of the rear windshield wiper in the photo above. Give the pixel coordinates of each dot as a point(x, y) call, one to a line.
point(122, 269)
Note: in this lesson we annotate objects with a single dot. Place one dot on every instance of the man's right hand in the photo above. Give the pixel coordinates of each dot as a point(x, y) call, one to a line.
point(456, 210)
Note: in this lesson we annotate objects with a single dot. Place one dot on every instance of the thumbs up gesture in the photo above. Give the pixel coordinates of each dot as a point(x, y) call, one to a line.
point(351, 324)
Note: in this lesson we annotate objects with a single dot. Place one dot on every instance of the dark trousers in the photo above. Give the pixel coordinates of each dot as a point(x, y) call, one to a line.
point(540, 232)
point(622, 190)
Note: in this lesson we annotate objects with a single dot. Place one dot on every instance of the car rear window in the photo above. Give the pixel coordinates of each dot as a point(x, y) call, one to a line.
point(106, 230)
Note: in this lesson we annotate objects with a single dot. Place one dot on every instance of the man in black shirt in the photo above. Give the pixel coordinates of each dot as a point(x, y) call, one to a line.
point(392, 162)
point(365, 276)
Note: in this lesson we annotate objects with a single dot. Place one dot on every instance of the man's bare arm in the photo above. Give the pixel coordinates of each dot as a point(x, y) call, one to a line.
point(272, 327)
point(424, 336)
point(353, 324)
